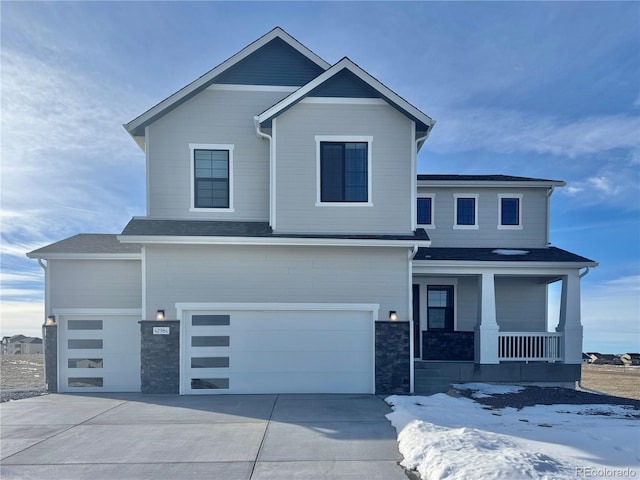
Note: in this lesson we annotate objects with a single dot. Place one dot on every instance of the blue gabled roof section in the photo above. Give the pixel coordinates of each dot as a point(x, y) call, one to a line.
point(346, 85)
point(276, 63)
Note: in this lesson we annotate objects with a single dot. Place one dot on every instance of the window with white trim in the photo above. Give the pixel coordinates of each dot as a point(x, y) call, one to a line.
point(343, 170)
point(211, 177)
point(509, 211)
point(465, 214)
point(425, 210)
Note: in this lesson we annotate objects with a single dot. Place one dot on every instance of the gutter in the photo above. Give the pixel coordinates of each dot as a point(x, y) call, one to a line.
point(272, 173)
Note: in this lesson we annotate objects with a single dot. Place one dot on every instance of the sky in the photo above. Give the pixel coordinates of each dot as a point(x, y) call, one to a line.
point(541, 89)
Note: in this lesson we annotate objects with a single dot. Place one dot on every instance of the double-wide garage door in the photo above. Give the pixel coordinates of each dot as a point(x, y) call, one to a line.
point(99, 352)
point(277, 351)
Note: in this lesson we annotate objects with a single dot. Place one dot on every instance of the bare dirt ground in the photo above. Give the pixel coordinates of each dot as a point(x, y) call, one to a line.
point(21, 372)
point(613, 380)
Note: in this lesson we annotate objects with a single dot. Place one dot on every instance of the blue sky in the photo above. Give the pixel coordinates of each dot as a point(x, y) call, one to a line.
point(535, 89)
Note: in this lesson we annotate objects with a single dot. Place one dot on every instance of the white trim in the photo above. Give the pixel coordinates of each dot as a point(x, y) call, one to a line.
point(147, 131)
point(253, 88)
point(274, 174)
point(143, 311)
point(344, 101)
point(475, 225)
point(277, 32)
point(541, 269)
point(346, 64)
point(432, 225)
point(183, 308)
point(509, 227)
point(108, 312)
point(210, 146)
point(88, 256)
point(414, 178)
point(345, 139)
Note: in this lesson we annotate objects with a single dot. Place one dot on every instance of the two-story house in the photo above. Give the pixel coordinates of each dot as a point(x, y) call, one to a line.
point(289, 245)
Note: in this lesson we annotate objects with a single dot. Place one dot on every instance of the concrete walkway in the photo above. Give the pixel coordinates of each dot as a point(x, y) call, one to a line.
point(227, 437)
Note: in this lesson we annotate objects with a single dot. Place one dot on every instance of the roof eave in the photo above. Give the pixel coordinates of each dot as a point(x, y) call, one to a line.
point(490, 183)
point(535, 264)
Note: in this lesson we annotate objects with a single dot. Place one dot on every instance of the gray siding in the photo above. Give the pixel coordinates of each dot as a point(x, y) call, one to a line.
point(213, 117)
point(296, 169)
point(534, 219)
point(95, 283)
point(276, 274)
point(521, 304)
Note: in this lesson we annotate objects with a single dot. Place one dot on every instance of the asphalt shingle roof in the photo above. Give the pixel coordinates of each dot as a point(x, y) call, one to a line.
point(480, 178)
point(197, 228)
point(550, 254)
point(88, 243)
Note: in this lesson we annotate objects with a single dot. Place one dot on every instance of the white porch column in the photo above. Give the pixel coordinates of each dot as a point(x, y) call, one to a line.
point(570, 324)
point(486, 331)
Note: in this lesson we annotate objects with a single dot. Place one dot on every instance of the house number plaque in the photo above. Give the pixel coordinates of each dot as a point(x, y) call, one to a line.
point(161, 330)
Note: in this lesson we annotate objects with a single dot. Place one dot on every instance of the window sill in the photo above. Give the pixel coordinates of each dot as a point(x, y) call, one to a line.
point(344, 204)
point(426, 226)
point(509, 227)
point(219, 210)
point(466, 227)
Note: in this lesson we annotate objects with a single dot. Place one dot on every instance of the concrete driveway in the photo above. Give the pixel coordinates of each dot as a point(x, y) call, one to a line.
point(133, 436)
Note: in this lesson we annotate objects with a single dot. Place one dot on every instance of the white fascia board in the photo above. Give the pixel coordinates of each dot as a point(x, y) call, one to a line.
point(211, 74)
point(347, 64)
point(487, 184)
point(286, 241)
point(512, 268)
point(339, 307)
point(97, 311)
point(87, 256)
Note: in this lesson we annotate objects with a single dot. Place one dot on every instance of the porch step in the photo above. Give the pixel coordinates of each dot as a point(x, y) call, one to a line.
point(430, 380)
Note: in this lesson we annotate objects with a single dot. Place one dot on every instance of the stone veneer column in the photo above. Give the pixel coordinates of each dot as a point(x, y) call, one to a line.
point(393, 357)
point(50, 343)
point(160, 357)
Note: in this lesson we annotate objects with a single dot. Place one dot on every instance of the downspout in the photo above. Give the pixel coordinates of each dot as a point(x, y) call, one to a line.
point(46, 286)
point(272, 173)
point(549, 193)
point(412, 254)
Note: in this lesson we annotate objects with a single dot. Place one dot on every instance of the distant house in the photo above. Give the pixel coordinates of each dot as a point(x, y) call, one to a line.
point(19, 344)
point(630, 359)
point(586, 358)
point(290, 246)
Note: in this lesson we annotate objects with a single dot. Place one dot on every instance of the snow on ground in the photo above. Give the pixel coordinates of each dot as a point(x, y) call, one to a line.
point(454, 438)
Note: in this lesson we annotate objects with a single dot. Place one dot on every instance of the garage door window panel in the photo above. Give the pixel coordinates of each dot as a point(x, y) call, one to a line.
point(85, 363)
point(209, 383)
point(210, 341)
point(84, 344)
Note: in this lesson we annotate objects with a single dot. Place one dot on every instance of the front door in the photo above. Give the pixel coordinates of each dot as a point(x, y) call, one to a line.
point(440, 308)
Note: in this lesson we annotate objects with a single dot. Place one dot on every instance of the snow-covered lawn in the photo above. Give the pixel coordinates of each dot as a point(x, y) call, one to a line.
point(445, 437)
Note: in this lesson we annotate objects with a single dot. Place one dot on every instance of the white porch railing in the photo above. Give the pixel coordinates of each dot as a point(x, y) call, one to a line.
point(529, 346)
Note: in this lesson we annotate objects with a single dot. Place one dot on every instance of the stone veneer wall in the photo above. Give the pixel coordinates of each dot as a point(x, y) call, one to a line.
point(393, 374)
point(50, 344)
point(160, 357)
point(456, 346)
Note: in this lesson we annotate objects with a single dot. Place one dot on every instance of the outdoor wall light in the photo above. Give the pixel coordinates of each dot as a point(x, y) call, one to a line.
point(393, 316)
point(160, 315)
point(51, 320)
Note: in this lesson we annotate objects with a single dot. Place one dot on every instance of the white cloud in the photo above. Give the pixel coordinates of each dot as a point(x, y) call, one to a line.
point(509, 131)
point(25, 317)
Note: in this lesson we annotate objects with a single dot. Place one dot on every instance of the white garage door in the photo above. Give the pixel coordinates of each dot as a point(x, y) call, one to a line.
point(277, 351)
point(99, 352)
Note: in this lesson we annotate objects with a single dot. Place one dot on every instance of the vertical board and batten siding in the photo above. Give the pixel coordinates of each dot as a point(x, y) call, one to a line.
point(90, 284)
point(276, 274)
point(534, 219)
point(211, 117)
point(296, 169)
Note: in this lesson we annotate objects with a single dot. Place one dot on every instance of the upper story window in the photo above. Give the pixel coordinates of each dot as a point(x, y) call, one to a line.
point(211, 177)
point(425, 212)
point(465, 211)
point(509, 211)
point(344, 170)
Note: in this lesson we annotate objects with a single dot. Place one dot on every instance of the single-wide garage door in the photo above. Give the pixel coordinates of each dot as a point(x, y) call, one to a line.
point(277, 352)
point(99, 352)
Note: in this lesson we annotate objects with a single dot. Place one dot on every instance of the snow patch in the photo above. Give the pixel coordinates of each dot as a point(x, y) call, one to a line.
point(484, 390)
point(455, 438)
point(508, 251)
